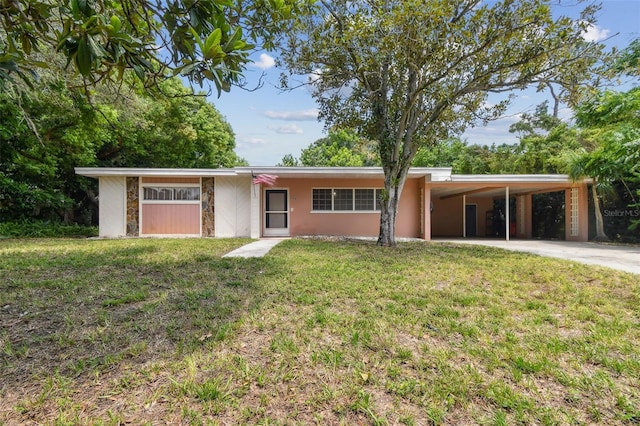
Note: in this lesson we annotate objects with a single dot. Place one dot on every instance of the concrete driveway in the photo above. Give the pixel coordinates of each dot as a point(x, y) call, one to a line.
point(623, 258)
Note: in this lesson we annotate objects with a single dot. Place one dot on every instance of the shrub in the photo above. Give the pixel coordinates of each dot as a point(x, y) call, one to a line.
point(44, 229)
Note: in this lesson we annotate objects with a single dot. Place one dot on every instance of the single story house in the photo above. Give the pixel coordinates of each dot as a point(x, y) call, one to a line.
point(303, 201)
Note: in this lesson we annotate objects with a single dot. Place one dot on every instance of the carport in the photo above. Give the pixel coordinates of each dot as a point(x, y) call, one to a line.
point(463, 206)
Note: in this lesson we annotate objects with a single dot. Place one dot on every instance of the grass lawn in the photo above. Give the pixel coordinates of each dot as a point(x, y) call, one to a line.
point(160, 331)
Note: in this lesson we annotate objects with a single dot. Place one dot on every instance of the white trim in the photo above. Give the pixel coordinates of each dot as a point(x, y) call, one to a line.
point(344, 211)
point(431, 174)
point(530, 178)
point(171, 201)
point(140, 194)
point(507, 204)
point(201, 197)
point(256, 210)
point(275, 232)
point(440, 173)
point(152, 172)
point(125, 203)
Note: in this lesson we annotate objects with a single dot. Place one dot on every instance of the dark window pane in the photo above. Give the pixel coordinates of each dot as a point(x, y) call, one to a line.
point(321, 199)
point(364, 199)
point(343, 199)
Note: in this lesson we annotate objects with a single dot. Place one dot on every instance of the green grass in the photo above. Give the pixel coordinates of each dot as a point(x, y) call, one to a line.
point(318, 332)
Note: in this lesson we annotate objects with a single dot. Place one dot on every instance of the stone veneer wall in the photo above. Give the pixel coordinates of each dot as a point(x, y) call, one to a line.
point(208, 229)
point(133, 206)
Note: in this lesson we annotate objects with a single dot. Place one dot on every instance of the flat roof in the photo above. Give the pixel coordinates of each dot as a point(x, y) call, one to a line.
point(436, 173)
point(151, 172)
point(440, 178)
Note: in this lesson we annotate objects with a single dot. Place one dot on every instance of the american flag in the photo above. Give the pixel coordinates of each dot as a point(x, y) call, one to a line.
point(268, 180)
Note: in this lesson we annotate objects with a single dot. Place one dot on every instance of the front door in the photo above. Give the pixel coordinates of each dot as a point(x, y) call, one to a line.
point(471, 220)
point(276, 213)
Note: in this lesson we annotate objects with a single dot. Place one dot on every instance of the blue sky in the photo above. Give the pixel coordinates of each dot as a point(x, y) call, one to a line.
point(269, 123)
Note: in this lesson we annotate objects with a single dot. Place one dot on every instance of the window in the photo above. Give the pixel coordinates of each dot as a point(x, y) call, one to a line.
point(346, 199)
point(322, 199)
point(156, 193)
point(364, 199)
point(343, 199)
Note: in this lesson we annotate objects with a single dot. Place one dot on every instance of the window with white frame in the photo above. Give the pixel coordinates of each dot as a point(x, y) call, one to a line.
point(346, 199)
point(171, 193)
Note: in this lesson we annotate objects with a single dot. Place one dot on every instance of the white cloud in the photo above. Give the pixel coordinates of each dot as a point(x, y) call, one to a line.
point(265, 62)
point(287, 129)
point(304, 115)
point(595, 33)
point(251, 141)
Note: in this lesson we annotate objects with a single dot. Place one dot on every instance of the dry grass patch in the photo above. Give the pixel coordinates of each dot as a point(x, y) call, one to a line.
point(317, 332)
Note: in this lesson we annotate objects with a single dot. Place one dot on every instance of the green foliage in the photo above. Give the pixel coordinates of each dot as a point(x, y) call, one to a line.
point(341, 148)
point(538, 122)
point(289, 161)
point(610, 134)
point(449, 153)
point(47, 131)
point(40, 229)
point(629, 60)
point(611, 130)
point(204, 40)
point(543, 148)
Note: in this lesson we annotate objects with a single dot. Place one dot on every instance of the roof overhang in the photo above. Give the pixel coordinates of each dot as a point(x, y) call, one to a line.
point(153, 172)
point(434, 173)
point(490, 186)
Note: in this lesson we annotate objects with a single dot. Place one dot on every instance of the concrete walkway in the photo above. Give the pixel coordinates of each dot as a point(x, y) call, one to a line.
point(623, 258)
point(255, 249)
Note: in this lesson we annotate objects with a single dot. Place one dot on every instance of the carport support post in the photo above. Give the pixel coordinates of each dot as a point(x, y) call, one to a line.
point(506, 213)
point(464, 216)
point(427, 206)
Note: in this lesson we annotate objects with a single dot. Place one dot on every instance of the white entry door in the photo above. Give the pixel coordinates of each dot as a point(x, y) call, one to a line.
point(276, 213)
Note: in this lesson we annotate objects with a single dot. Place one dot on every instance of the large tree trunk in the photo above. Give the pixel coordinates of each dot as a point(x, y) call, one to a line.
point(600, 234)
point(394, 179)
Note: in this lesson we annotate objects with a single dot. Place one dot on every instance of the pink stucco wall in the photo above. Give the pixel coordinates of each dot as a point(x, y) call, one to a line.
point(303, 221)
point(446, 218)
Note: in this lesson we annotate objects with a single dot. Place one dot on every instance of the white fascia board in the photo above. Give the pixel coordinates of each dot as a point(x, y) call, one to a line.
point(529, 178)
point(155, 172)
point(339, 172)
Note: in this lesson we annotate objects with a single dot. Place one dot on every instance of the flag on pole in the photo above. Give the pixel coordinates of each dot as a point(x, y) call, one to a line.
point(268, 180)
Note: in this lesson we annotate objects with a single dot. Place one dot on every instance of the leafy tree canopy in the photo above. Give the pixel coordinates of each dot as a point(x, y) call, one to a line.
point(611, 127)
point(203, 39)
point(45, 133)
point(628, 62)
point(340, 148)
